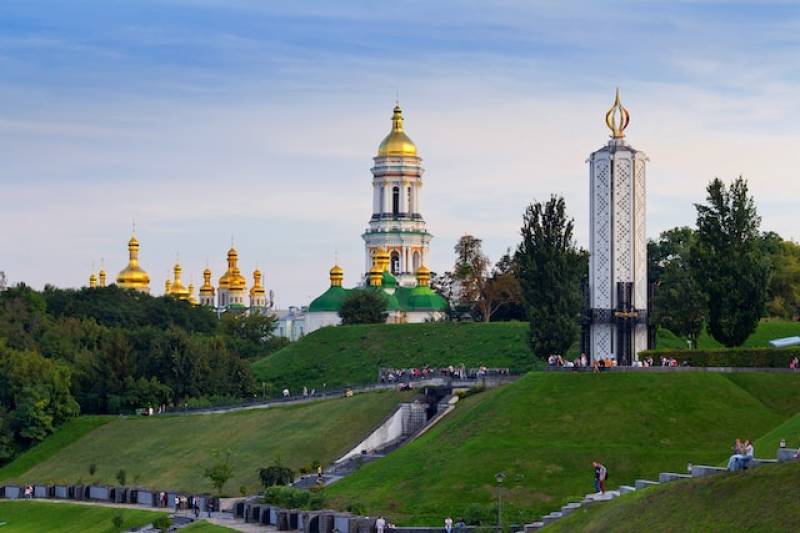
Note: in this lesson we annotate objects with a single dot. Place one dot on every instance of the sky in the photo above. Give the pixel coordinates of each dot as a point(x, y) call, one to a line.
point(211, 120)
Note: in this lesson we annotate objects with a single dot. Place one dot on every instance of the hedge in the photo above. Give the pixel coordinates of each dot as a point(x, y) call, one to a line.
point(729, 357)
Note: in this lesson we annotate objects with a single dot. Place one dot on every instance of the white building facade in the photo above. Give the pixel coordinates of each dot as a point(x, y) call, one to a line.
point(615, 317)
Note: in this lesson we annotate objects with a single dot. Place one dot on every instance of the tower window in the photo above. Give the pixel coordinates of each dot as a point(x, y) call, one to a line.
point(395, 263)
point(395, 200)
point(408, 200)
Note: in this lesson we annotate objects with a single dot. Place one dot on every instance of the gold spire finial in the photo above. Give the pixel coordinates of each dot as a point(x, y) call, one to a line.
point(617, 125)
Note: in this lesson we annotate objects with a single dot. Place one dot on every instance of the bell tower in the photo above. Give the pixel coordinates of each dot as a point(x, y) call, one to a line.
point(396, 223)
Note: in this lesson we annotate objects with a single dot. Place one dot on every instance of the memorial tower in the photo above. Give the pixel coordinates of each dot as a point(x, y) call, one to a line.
point(615, 317)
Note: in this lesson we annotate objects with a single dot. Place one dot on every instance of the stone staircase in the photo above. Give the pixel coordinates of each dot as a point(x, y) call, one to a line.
point(784, 455)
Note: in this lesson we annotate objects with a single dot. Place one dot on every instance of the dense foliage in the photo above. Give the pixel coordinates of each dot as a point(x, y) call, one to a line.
point(363, 307)
point(109, 350)
point(550, 269)
point(729, 263)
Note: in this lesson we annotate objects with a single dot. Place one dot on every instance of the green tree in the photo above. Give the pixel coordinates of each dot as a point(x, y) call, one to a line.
point(364, 307)
point(728, 262)
point(550, 270)
point(679, 303)
point(470, 272)
point(220, 471)
point(276, 474)
point(783, 293)
point(251, 335)
point(121, 476)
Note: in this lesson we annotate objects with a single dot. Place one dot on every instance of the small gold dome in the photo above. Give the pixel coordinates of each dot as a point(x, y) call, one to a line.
point(397, 143)
point(92, 281)
point(133, 276)
point(381, 258)
point(177, 288)
point(101, 277)
point(207, 289)
point(423, 276)
point(336, 276)
point(257, 289)
point(232, 278)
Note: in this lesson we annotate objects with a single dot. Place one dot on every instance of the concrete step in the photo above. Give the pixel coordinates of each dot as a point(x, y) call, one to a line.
point(625, 489)
point(705, 470)
point(552, 517)
point(567, 509)
point(666, 477)
point(642, 483)
point(535, 526)
point(755, 461)
point(786, 454)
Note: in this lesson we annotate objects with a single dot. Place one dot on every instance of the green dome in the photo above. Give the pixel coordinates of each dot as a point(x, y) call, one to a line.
point(425, 298)
point(329, 301)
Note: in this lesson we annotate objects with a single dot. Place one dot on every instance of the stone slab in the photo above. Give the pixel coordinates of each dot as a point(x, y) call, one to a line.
point(625, 489)
point(786, 454)
point(706, 470)
point(666, 477)
point(642, 483)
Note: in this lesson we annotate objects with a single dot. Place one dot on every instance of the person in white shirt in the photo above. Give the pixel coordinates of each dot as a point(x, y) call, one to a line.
point(380, 524)
point(448, 524)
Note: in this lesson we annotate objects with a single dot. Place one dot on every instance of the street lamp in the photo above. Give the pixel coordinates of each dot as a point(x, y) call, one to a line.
point(499, 478)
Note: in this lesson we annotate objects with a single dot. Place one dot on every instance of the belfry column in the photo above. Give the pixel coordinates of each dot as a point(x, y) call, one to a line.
point(615, 315)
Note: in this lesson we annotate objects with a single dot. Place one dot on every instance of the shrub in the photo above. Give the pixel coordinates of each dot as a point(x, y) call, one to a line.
point(121, 476)
point(117, 521)
point(729, 357)
point(92, 469)
point(293, 498)
point(356, 508)
point(476, 514)
point(275, 475)
point(162, 523)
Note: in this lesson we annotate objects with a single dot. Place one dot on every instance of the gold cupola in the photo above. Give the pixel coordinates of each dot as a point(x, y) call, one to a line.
point(257, 289)
point(133, 276)
point(101, 277)
point(177, 288)
point(375, 275)
point(381, 257)
point(192, 297)
point(168, 286)
point(423, 276)
point(207, 289)
point(337, 276)
point(232, 279)
point(617, 118)
point(397, 143)
point(92, 281)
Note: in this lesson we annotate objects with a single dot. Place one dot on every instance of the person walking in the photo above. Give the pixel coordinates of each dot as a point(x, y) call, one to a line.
point(448, 525)
point(600, 473)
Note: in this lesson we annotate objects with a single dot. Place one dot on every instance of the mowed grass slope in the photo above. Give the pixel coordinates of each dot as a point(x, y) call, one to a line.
point(351, 355)
point(761, 499)
point(545, 430)
point(68, 433)
point(38, 517)
point(171, 452)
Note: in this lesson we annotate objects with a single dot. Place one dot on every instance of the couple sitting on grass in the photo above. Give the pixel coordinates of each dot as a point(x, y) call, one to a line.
point(742, 455)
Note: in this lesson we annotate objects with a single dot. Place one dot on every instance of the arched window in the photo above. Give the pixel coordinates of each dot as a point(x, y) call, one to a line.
point(395, 263)
point(409, 203)
point(395, 200)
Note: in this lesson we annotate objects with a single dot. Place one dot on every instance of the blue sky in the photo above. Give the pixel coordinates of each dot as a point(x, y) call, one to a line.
point(209, 119)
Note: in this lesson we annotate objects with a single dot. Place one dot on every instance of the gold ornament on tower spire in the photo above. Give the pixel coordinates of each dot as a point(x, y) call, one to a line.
point(617, 118)
point(397, 143)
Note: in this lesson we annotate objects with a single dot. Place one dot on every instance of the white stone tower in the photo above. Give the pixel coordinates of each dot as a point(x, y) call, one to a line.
point(616, 317)
point(397, 224)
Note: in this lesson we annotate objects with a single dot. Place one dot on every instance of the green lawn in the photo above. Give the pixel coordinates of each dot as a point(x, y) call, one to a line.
point(545, 430)
point(171, 452)
point(204, 527)
point(789, 430)
point(37, 517)
point(351, 355)
point(68, 433)
point(761, 499)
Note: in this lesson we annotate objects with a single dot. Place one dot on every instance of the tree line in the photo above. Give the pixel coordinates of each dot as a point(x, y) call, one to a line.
point(723, 274)
point(109, 350)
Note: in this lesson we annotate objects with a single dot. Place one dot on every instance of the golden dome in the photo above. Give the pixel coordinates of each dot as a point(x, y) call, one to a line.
point(257, 289)
point(92, 281)
point(381, 258)
point(207, 289)
point(423, 276)
point(176, 288)
point(232, 278)
point(192, 297)
point(397, 143)
point(375, 275)
point(337, 276)
point(133, 276)
point(101, 276)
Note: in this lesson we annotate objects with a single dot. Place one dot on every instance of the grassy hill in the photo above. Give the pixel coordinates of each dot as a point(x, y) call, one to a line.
point(172, 451)
point(35, 517)
point(763, 499)
point(351, 355)
point(545, 430)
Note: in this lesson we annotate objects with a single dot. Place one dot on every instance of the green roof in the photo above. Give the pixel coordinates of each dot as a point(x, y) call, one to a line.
point(425, 298)
point(389, 281)
point(329, 301)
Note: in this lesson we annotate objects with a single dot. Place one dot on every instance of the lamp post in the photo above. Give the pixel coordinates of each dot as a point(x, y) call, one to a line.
point(499, 478)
